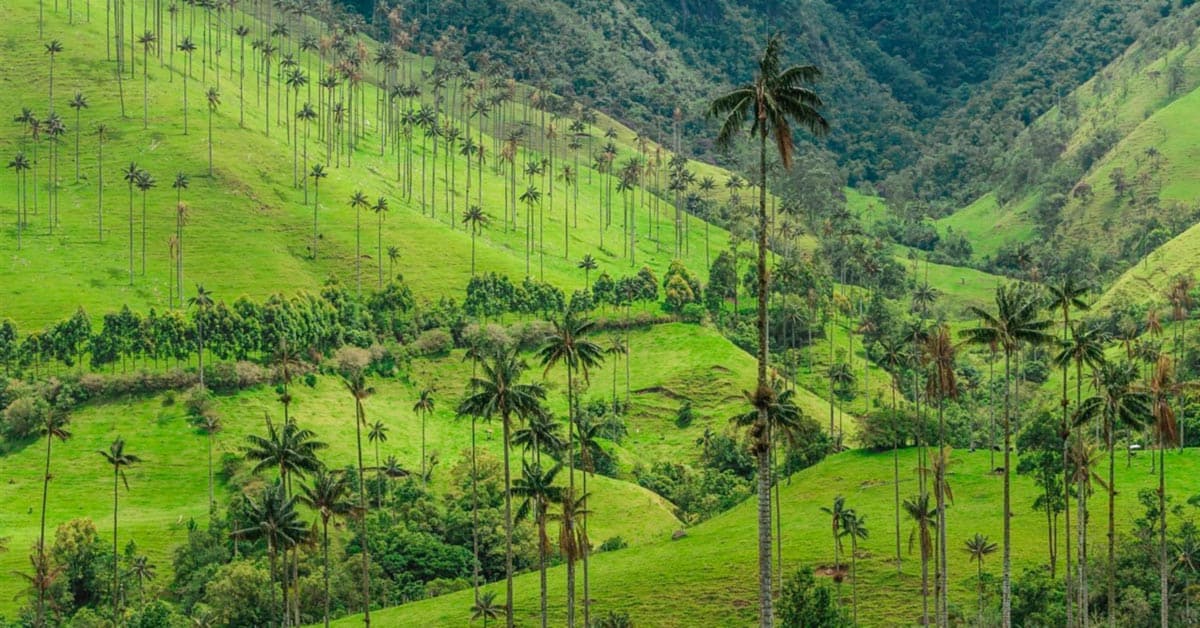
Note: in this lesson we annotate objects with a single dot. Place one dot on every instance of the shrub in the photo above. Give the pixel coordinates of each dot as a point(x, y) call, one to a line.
point(433, 342)
point(23, 416)
point(613, 544)
point(685, 415)
point(806, 604)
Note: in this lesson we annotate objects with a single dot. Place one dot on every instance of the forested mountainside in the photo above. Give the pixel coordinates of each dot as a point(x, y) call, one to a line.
point(939, 89)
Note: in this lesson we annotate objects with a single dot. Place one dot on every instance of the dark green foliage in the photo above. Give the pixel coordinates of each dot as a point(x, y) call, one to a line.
point(685, 415)
point(806, 604)
point(1038, 599)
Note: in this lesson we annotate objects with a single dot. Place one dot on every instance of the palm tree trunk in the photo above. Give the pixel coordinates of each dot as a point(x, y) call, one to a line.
point(42, 538)
point(474, 517)
point(1164, 590)
point(116, 590)
point(508, 527)
point(1082, 518)
point(542, 566)
point(1112, 535)
point(325, 563)
point(1006, 603)
point(895, 476)
point(271, 554)
point(362, 506)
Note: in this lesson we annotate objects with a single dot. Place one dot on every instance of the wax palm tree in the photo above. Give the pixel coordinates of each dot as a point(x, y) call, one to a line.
point(979, 548)
point(141, 568)
point(130, 175)
point(78, 103)
point(101, 137)
point(937, 356)
point(144, 183)
point(485, 607)
point(273, 518)
point(856, 529)
point(1117, 403)
point(355, 383)
point(917, 508)
point(147, 40)
point(499, 391)
point(54, 426)
point(211, 424)
point(1015, 322)
point(894, 357)
point(202, 301)
point(475, 220)
point(1066, 296)
point(180, 184)
point(306, 114)
point(213, 98)
point(120, 461)
point(53, 47)
point(573, 543)
point(327, 494)
point(617, 348)
point(775, 100)
point(424, 407)
point(20, 166)
point(357, 202)
point(568, 345)
point(537, 488)
point(1084, 458)
point(393, 255)
point(290, 450)
point(837, 521)
point(380, 208)
point(1162, 389)
point(187, 47)
point(316, 174)
point(588, 264)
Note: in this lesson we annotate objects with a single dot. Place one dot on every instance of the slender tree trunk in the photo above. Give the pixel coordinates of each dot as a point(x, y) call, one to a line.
point(116, 586)
point(1006, 603)
point(508, 528)
point(896, 477)
point(325, 564)
point(42, 564)
point(766, 617)
point(1112, 534)
point(1164, 589)
point(362, 506)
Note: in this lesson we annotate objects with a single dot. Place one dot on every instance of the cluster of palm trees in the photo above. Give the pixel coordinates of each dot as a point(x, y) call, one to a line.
point(497, 391)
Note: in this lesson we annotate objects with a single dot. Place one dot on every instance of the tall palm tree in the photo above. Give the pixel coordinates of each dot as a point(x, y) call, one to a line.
point(917, 508)
point(101, 137)
point(147, 41)
point(538, 490)
point(120, 460)
point(775, 100)
point(1117, 403)
point(20, 165)
point(327, 494)
point(54, 426)
point(203, 302)
point(837, 520)
point(1162, 389)
point(475, 220)
point(357, 202)
point(180, 184)
point(979, 548)
point(1066, 296)
point(377, 434)
point(499, 391)
point(306, 114)
point(316, 174)
point(213, 98)
point(130, 175)
point(273, 518)
point(938, 358)
point(1015, 322)
point(145, 182)
point(1084, 458)
point(572, 541)
point(380, 208)
point(894, 357)
point(424, 407)
point(187, 47)
point(568, 345)
point(356, 384)
point(53, 47)
point(78, 103)
point(856, 529)
point(588, 264)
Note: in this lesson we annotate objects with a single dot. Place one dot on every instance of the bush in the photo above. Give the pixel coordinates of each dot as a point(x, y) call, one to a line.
point(23, 416)
point(685, 415)
point(433, 342)
point(806, 604)
point(613, 544)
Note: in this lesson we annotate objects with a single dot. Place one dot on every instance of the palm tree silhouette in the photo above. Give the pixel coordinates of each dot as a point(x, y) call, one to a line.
point(499, 391)
point(53, 47)
point(588, 264)
point(376, 435)
point(20, 165)
point(180, 184)
point(326, 494)
point(130, 175)
point(211, 424)
point(1016, 322)
point(856, 529)
point(306, 114)
point(202, 301)
point(572, 542)
point(147, 41)
point(979, 548)
point(917, 508)
point(774, 100)
point(938, 356)
point(485, 607)
point(120, 460)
